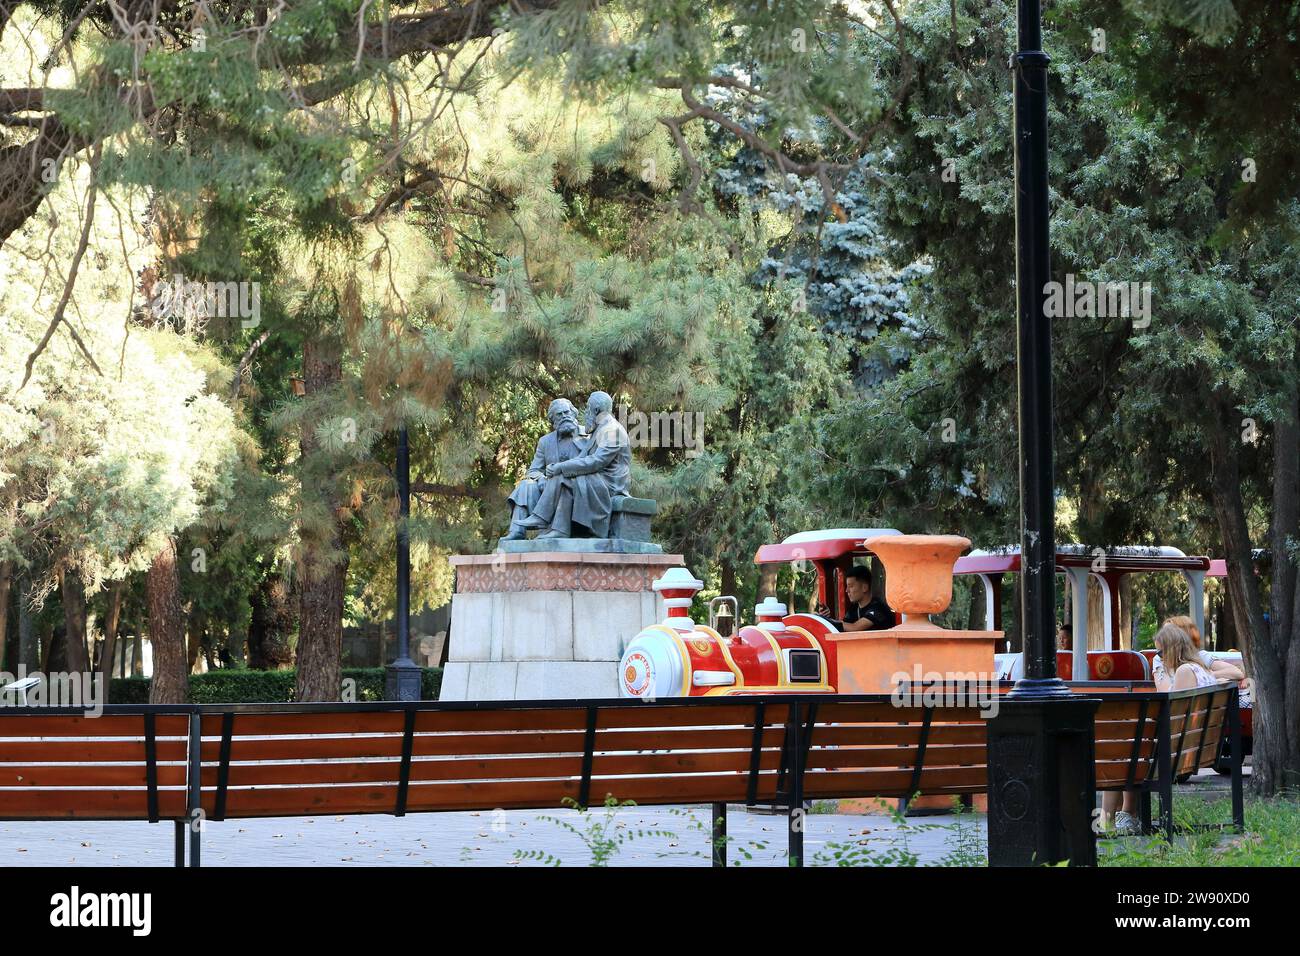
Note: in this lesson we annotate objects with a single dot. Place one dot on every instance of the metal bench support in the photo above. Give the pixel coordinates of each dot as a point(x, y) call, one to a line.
point(194, 803)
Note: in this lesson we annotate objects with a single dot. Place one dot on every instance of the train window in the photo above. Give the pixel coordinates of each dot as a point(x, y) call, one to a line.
point(805, 666)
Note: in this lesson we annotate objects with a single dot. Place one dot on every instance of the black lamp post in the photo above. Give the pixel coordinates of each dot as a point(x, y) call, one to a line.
point(402, 677)
point(1041, 776)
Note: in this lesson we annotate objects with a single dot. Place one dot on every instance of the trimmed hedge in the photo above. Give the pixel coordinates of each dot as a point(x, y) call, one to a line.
point(264, 687)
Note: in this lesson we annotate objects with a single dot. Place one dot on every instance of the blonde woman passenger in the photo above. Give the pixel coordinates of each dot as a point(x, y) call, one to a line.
point(1221, 670)
point(1183, 668)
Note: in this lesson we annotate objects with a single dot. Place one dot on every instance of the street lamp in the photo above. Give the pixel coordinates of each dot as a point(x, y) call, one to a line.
point(402, 677)
point(1041, 773)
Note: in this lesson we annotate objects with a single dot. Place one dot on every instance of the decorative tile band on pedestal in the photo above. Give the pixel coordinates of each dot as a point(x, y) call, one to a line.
point(558, 571)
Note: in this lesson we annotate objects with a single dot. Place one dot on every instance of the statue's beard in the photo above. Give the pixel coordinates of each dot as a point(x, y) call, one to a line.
point(566, 428)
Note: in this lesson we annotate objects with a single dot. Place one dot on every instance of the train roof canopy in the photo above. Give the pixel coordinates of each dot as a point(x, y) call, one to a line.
point(820, 545)
point(1124, 559)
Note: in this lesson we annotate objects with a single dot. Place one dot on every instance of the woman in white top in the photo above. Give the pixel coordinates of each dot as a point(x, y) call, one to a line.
point(1182, 665)
point(1222, 670)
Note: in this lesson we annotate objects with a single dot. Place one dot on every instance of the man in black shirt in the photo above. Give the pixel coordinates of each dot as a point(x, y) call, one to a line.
point(865, 611)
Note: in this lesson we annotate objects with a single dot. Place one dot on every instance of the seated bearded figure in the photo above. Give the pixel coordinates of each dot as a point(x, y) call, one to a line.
point(562, 443)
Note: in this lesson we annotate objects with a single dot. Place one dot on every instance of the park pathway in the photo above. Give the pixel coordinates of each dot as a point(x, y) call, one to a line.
point(490, 838)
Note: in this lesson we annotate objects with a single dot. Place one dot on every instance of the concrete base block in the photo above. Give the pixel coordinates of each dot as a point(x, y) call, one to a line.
point(455, 681)
point(566, 680)
point(492, 680)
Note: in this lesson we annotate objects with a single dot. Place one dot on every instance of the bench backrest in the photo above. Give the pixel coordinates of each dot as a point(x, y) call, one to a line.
point(294, 760)
point(1198, 719)
point(1125, 733)
point(884, 751)
point(395, 762)
point(665, 753)
point(55, 764)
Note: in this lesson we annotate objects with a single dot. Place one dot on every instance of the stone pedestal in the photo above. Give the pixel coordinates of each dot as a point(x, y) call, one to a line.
point(547, 625)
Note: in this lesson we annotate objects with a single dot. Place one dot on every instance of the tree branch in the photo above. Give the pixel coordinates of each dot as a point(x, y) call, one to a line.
point(91, 192)
point(449, 491)
point(244, 362)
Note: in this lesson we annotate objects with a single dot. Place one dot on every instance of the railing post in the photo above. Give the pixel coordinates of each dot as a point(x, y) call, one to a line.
point(179, 827)
point(720, 834)
point(1235, 758)
point(193, 803)
point(795, 818)
point(1164, 770)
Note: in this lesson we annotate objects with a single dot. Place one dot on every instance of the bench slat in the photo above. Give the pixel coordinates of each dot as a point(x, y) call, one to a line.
point(479, 796)
point(94, 775)
point(60, 750)
point(886, 713)
point(89, 804)
point(434, 745)
point(65, 725)
point(504, 768)
point(850, 757)
point(903, 735)
point(893, 783)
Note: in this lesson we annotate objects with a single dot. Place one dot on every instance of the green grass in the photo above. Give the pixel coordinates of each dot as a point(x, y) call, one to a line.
point(1272, 837)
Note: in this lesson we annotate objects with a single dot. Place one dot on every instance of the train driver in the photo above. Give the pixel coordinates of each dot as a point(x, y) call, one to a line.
point(865, 612)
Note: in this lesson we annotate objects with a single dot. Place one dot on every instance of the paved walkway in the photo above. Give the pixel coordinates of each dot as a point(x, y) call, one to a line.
point(648, 836)
point(495, 838)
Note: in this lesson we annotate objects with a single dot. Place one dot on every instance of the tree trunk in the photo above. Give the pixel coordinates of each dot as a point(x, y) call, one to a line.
point(29, 646)
point(6, 579)
point(195, 627)
point(46, 645)
point(320, 638)
point(111, 623)
point(324, 562)
point(729, 579)
point(1282, 639)
point(170, 684)
point(236, 641)
point(72, 592)
point(1272, 656)
point(272, 625)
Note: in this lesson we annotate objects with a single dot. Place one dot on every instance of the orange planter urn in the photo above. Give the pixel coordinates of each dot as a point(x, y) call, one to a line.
point(918, 583)
point(918, 571)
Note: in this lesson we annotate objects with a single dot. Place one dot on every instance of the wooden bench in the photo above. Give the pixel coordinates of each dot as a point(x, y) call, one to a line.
point(1145, 740)
point(131, 763)
point(222, 762)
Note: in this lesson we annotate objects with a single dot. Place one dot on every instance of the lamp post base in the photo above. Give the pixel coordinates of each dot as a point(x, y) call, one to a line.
point(1042, 782)
point(402, 680)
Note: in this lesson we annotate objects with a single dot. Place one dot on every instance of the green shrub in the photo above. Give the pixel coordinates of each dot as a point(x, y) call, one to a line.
point(265, 687)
